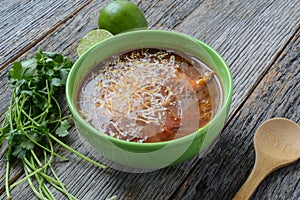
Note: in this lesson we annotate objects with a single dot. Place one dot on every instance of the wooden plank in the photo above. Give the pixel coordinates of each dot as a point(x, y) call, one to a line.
point(249, 35)
point(155, 185)
point(22, 23)
point(221, 174)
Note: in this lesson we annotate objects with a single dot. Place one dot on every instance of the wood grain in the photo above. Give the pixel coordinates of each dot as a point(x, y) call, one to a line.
point(220, 175)
point(249, 35)
point(23, 23)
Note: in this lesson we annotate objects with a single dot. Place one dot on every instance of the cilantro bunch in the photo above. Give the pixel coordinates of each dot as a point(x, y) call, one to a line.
point(34, 121)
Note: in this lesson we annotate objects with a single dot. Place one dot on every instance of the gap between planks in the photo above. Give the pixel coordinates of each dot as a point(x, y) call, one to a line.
point(51, 30)
point(239, 107)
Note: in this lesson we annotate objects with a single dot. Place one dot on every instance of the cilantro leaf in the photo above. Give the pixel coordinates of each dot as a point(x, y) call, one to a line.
point(19, 151)
point(56, 82)
point(27, 144)
point(62, 130)
point(15, 141)
point(23, 70)
point(63, 74)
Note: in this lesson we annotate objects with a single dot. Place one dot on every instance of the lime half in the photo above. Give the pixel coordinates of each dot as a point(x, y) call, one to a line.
point(92, 38)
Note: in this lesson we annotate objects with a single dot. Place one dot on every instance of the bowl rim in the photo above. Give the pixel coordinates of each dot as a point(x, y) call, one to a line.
point(75, 113)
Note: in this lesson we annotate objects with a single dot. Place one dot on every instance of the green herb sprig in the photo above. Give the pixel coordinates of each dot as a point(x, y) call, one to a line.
point(34, 121)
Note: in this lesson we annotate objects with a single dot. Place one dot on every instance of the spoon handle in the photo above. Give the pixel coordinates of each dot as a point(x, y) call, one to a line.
point(257, 174)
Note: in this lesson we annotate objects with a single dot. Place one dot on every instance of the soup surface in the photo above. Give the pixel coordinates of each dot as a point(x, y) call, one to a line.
point(149, 95)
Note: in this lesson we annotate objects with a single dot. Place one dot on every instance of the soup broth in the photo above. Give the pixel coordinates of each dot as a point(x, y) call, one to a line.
point(149, 95)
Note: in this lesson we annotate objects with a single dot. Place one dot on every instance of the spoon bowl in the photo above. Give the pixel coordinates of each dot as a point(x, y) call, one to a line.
point(278, 138)
point(276, 143)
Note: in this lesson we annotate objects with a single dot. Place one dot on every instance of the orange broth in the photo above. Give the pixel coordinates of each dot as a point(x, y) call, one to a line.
point(149, 95)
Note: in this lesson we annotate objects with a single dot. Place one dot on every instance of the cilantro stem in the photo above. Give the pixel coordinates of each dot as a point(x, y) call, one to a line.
point(62, 187)
point(8, 154)
point(34, 141)
point(57, 104)
point(46, 149)
point(27, 172)
point(42, 187)
point(54, 182)
point(7, 180)
point(59, 110)
point(76, 152)
point(2, 134)
point(36, 159)
point(30, 119)
point(61, 119)
point(32, 166)
point(19, 110)
point(29, 175)
point(10, 111)
point(36, 171)
point(46, 190)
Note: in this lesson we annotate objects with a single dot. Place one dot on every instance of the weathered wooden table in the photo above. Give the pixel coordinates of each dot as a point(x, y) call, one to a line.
point(260, 40)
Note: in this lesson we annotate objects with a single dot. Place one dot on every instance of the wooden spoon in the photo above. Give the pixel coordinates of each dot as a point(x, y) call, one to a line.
point(276, 143)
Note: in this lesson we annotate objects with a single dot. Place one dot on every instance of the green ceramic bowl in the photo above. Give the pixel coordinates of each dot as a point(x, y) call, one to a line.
point(150, 156)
